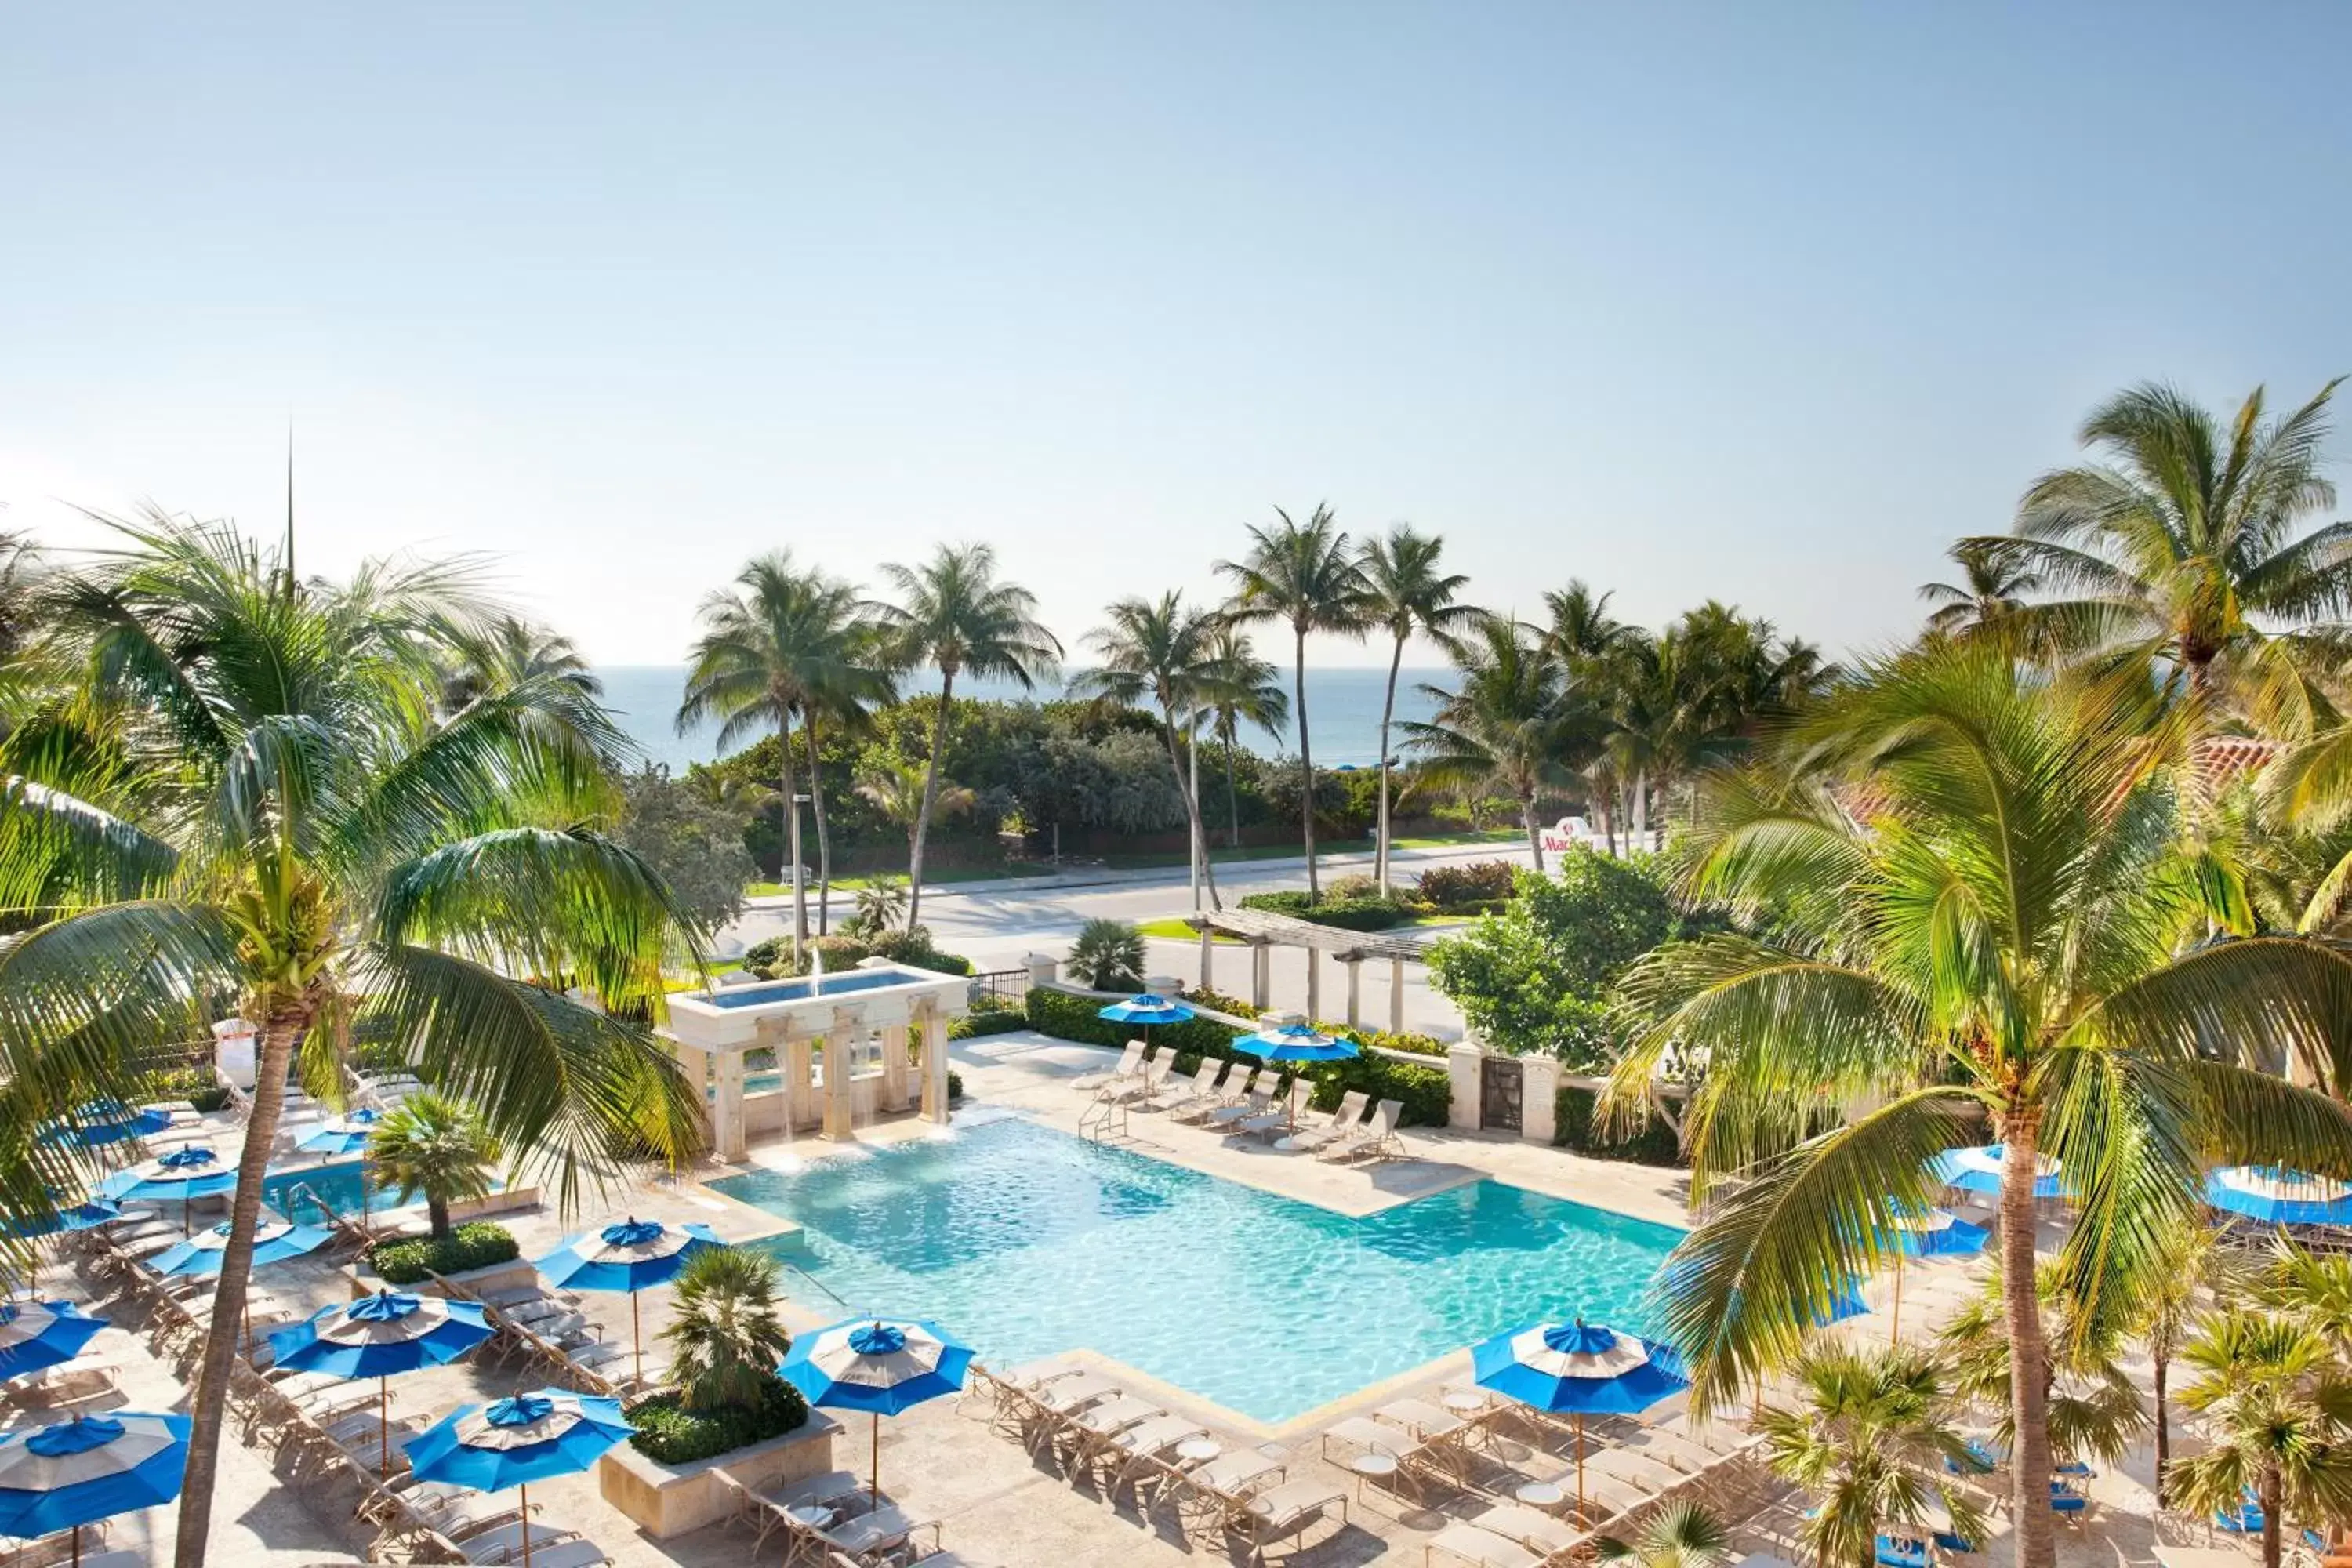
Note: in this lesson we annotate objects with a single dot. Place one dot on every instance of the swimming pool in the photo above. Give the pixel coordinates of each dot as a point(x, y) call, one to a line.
point(1027, 1241)
point(339, 1186)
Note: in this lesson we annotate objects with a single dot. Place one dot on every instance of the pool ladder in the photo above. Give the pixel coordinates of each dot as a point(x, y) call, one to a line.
point(815, 1284)
point(1104, 1121)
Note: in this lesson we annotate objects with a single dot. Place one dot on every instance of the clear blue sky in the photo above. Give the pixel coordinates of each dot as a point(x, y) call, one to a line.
point(1763, 303)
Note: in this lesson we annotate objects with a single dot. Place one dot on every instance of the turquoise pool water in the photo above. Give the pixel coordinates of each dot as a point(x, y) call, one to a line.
point(1027, 1241)
point(338, 1186)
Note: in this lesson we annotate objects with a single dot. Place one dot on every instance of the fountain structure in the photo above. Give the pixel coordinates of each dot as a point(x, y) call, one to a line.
point(815, 1026)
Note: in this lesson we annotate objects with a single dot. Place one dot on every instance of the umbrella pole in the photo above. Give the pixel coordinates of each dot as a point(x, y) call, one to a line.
point(637, 1339)
point(1580, 1465)
point(77, 1546)
point(383, 1428)
point(1895, 1314)
point(525, 1527)
point(874, 1486)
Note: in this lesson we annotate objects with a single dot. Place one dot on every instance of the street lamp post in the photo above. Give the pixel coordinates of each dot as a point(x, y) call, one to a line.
point(793, 848)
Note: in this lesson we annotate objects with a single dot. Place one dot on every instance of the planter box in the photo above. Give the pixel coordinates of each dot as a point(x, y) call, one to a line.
point(505, 1200)
point(510, 1275)
point(669, 1500)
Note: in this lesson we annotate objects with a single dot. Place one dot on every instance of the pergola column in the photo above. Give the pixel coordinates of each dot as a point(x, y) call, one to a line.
point(1355, 962)
point(1396, 995)
point(840, 1109)
point(727, 1133)
point(935, 1067)
point(1261, 972)
point(894, 1067)
point(1314, 984)
point(1208, 945)
point(798, 1058)
point(694, 1064)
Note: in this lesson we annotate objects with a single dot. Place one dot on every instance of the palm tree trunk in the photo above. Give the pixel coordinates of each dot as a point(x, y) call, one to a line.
point(1306, 764)
point(1232, 797)
point(2161, 1364)
point(1201, 817)
point(2029, 1380)
point(2271, 1530)
point(792, 833)
point(436, 1215)
point(931, 793)
point(824, 839)
point(210, 1407)
point(1192, 803)
point(1388, 708)
point(1535, 831)
point(1641, 808)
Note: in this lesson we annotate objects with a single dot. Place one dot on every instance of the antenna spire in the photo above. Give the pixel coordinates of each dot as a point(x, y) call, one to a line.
point(288, 565)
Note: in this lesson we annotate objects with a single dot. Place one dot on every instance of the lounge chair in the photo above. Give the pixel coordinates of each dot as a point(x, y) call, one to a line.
point(1285, 1512)
point(1262, 1085)
point(1474, 1543)
point(860, 1537)
point(1203, 1086)
point(1279, 1117)
point(1129, 1062)
point(1212, 1493)
point(1097, 1427)
point(1531, 1528)
point(1627, 1466)
point(1218, 1094)
point(1150, 1444)
point(1341, 1122)
point(1145, 1081)
point(576, 1552)
point(502, 1541)
point(1376, 1140)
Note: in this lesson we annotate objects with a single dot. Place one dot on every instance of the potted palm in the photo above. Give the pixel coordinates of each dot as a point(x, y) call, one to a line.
point(442, 1150)
point(726, 1413)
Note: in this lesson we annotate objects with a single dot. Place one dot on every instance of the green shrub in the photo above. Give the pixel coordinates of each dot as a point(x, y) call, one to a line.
point(1069, 1017)
point(771, 959)
point(955, 1087)
point(1425, 1092)
point(989, 1015)
point(672, 1434)
point(1108, 955)
point(475, 1246)
point(1345, 914)
point(1572, 1128)
point(1345, 889)
point(200, 1086)
point(1454, 889)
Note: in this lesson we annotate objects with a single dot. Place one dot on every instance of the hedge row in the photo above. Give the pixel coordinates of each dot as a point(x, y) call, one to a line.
point(669, 1434)
point(1345, 914)
point(475, 1246)
point(1416, 1044)
point(1425, 1092)
point(1572, 1128)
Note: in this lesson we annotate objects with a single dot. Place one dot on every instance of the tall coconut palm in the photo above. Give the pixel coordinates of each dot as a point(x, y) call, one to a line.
point(957, 616)
point(1587, 641)
point(1991, 589)
point(1406, 596)
point(1162, 652)
point(2011, 931)
point(1869, 1436)
point(784, 644)
point(295, 835)
point(2095, 1410)
point(2187, 543)
point(2276, 1408)
point(1244, 688)
point(856, 681)
point(510, 651)
point(1307, 574)
point(899, 791)
point(1511, 726)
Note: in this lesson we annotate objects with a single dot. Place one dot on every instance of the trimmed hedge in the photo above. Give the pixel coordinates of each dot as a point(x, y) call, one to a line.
point(1345, 914)
point(476, 1245)
point(771, 959)
point(200, 1086)
point(1572, 1128)
point(670, 1434)
point(1455, 887)
point(989, 1015)
point(1424, 1091)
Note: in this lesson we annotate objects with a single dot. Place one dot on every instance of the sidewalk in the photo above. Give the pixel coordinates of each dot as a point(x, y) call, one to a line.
point(1105, 877)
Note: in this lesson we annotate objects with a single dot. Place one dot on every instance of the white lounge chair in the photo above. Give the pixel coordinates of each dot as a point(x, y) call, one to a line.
point(1280, 1115)
point(1341, 1124)
point(1203, 1086)
point(1218, 1093)
point(1261, 1089)
point(1376, 1140)
point(1285, 1512)
point(1155, 1066)
point(1128, 1063)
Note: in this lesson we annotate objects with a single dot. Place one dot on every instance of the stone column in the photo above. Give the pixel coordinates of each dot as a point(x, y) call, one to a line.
point(1208, 945)
point(894, 1067)
point(1261, 977)
point(840, 1109)
point(1538, 1098)
point(935, 1068)
point(1396, 995)
point(1464, 1106)
point(1355, 962)
point(727, 1121)
point(1314, 984)
point(798, 1058)
point(695, 1065)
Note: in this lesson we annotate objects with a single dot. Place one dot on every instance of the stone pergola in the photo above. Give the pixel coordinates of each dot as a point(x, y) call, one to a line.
point(819, 1029)
point(1264, 932)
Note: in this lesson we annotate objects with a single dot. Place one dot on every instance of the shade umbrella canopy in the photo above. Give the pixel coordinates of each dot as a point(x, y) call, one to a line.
point(1146, 1009)
point(1979, 1168)
point(97, 1122)
point(628, 1254)
point(1844, 1300)
point(879, 1365)
point(78, 1216)
point(1935, 1233)
point(1296, 1043)
point(515, 1441)
point(1580, 1367)
point(2279, 1197)
point(92, 1467)
point(381, 1335)
point(343, 1135)
point(199, 1257)
point(37, 1335)
point(180, 1176)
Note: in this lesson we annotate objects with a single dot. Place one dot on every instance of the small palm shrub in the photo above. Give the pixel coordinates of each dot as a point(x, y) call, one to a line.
point(436, 1146)
point(726, 1337)
point(1684, 1535)
point(881, 907)
point(1107, 956)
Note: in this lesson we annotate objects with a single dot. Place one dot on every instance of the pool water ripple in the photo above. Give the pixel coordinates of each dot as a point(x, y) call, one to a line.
point(1027, 1241)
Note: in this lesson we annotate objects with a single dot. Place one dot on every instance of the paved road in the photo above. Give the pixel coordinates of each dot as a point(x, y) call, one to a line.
point(996, 925)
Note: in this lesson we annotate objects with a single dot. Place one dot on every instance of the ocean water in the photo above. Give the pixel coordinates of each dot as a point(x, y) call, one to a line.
point(1343, 710)
point(1026, 1242)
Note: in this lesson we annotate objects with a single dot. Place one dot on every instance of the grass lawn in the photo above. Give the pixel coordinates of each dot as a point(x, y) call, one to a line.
point(930, 879)
point(1221, 855)
point(1172, 927)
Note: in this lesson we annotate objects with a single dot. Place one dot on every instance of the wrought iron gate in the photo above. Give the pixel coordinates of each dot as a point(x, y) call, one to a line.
point(1500, 1083)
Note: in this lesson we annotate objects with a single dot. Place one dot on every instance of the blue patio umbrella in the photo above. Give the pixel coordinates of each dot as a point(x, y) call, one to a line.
point(91, 1468)
point(1926, 1233)
point(199, 1257)
point(1297, 1043)
point(180, 1176)
point(879, 1365)
point(2279, 1197)
point(1977, 1169)
point(633, 1254)
point(97, 1122)
point(35, 1335)
point(73, 1216)
point(515, 1441)
point(343, 1135)
point(1146, 1010)
point(381, 1336)
point(1586, 1368)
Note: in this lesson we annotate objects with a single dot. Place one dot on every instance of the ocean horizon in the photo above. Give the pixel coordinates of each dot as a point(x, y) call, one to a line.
point(1343, 710)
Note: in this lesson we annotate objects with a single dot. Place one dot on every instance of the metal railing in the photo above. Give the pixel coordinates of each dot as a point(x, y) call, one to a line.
point(1006, 984)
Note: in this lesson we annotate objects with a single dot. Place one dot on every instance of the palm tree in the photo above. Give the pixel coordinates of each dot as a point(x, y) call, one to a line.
point(2095, 1410)
point(1588, 641)
point(1870, 1436)
point(2191, 1262)
point(432, 1144)
point(1108, 954)
point(860, 679)
point(726, 1335)
point(1242, 687)
point(1404, 592)
point(958, 618)
point(1164, 653)
point(2183, 543)
point(900, 791)
point(2276, 1408)
point(1511, 728)
point(2011, 931)
point(784, 643)
point(510, 652)
point(1991, 589)
point(1305, 574)
point(881, 906)
point(1680, 1535)
point(292, 838)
